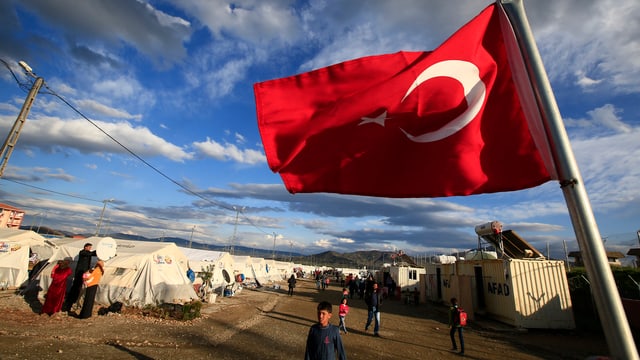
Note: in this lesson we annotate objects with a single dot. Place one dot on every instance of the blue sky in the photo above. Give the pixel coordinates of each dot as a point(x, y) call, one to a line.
point(172, 82)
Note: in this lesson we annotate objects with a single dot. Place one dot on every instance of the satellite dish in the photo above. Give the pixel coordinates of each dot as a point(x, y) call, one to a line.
point(226, 276)
point(106, 248)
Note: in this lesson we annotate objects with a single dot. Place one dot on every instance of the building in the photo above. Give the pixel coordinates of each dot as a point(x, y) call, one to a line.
point(10, 216)
point(612, 256)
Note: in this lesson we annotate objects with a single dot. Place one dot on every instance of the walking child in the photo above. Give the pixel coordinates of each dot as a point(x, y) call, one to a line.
point(345, 292)
point(323, 341)
point(342, 313)
point(454, 325)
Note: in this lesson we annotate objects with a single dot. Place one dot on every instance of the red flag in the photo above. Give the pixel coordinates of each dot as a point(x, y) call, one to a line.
point(410, 124)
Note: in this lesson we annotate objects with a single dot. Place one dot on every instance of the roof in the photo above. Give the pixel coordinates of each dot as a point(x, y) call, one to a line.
point(610, 254)
point(634, 252)
point(9, 207)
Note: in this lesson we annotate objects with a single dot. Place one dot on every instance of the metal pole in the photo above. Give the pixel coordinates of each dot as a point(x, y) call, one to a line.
point(235, 229)
point(40, 223)
point(14, 133)
point(612, 316)
point(191, 237)
point(102, 215)
point(273, 253)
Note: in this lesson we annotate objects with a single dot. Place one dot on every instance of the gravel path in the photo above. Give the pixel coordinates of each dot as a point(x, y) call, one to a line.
point(268, 324)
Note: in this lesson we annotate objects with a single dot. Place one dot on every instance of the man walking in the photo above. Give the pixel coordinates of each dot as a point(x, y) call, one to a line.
point(373, 300)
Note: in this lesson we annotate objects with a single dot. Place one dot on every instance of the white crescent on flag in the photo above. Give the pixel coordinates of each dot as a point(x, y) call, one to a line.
point(475, 91)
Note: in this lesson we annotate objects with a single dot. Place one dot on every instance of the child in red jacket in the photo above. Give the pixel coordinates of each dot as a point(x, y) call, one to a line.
point(342, 312)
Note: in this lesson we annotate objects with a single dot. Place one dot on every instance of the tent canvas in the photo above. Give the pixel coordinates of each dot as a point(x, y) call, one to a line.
point(284, 269)
point(14, 255)
point(142, 273)
point(259, 268)
point(200, 260)
point(242, 266)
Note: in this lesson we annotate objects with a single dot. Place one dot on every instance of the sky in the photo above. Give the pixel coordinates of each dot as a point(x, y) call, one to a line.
point(148, 121)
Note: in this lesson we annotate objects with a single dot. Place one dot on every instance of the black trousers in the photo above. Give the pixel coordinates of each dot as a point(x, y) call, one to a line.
point(87, 305)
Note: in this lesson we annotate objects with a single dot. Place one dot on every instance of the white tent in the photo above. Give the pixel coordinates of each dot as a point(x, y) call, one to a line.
point(284, 269)
point(242, 266)
point(14, 255)
point(142, 273)
point(200, 260)
point(259, 267)
point(271, 268)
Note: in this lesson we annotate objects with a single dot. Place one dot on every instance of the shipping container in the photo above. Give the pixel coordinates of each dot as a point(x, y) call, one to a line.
point(518, 292)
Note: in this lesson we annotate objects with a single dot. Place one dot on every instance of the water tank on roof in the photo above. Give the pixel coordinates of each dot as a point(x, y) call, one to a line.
point(490, 228)
point(480, 255)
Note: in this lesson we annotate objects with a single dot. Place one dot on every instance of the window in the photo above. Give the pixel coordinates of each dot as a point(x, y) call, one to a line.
point(413, 275)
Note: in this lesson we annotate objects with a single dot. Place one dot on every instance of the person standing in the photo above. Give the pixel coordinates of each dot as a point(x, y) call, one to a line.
point(292, 284)
point(454, 325)
point(92, 288)
point(353, 286)
point(324, 341)
point(83, 264)
point(368, 285)
point(342, 313)
point(55, 294)
point(373, 300)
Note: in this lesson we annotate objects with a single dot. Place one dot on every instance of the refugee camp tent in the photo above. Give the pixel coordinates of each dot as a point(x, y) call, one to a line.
point(259, 268)
point(201, 260)
point(242, 266)
point(15, 248)
point(272, 270)
point(142, 273)
point(284, 269)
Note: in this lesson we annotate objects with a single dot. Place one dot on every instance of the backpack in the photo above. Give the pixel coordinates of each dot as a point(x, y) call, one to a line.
point(460, 317)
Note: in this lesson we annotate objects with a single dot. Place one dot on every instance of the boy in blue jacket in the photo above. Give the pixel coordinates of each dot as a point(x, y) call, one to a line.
point(323, 341)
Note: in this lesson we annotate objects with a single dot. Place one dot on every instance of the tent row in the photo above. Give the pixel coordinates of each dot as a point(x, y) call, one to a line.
point(20, 251)
point(141, 273)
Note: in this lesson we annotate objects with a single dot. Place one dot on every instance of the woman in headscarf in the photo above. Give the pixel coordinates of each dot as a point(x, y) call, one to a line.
point(55, 294)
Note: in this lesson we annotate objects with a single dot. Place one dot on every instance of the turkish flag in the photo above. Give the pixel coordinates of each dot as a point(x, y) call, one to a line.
point(410, 124)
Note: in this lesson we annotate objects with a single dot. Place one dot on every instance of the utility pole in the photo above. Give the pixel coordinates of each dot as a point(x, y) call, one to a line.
point(566, 256)
point(191, 237)
point(14, 133)
point(290, 250)
point(102, 215)
point(235, 228)
point(273, 253)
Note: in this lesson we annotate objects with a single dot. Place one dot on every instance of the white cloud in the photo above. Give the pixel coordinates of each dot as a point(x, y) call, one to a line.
point(254, 21)
point(598, 119)
point(49, 132)
point(226, 152)
point(105, 110)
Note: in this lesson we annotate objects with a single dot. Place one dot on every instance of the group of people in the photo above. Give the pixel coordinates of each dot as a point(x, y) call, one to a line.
point(324, 341)
point(58, 299)
point(322, 281)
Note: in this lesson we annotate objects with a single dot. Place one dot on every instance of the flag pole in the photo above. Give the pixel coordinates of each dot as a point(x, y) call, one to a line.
point(614, 321)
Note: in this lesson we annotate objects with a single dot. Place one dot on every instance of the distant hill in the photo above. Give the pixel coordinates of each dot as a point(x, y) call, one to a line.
point(355, 260)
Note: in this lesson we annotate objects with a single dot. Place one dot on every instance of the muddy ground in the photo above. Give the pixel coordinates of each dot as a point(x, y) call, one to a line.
point(265, 323)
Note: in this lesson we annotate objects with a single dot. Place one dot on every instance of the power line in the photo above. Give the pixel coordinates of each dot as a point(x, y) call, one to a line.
point(51, 191)
point(167, 177)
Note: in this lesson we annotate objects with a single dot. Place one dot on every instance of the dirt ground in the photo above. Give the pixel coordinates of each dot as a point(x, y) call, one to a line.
point(265, 323)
